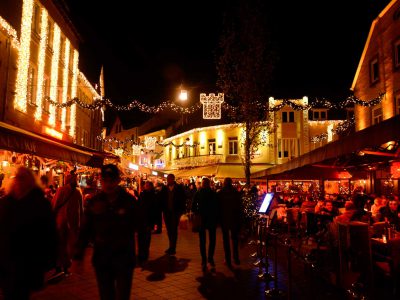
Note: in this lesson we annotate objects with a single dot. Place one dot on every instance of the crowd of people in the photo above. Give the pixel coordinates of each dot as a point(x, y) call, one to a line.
point(42, 230)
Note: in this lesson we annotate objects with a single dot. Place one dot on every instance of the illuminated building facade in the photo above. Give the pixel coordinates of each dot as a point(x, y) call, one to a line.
point(40, 58)
point(379, 69)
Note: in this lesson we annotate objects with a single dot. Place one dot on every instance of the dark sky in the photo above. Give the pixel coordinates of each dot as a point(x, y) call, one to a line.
point(149, 48)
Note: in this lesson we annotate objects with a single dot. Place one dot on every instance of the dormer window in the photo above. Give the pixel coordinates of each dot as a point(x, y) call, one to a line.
point(318, 115)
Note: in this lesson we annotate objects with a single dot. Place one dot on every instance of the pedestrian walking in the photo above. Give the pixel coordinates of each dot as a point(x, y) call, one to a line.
point(28, 237)
point(173, 201)
point(146, 208)
point(206, 206)
point(110, 223)
point(68, 209)
point(230, 215)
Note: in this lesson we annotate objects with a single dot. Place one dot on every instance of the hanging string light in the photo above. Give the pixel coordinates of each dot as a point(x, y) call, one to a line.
point(341, 128)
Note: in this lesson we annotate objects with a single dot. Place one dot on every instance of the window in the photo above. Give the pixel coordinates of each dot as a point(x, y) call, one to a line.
point(50, 34)
point(195, 149)
point(31, 96)
point(284, 117)
point(85, 138)
point(288, 148)
point(377, 115)
point(233, 145)
point(316, 115)
point(36, 19)
point(374, 70)
point(170, 153)
point(287, 116)
point(211, 146)
point(323, 115)
point(397, 54)
point(291, 116)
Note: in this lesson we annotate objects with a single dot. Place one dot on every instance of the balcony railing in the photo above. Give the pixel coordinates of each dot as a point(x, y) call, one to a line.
point(195, 161)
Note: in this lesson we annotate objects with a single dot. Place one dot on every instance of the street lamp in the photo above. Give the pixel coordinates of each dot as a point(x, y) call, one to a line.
point(183, 97)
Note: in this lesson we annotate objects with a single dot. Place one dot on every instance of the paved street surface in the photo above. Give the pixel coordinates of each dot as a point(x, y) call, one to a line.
point(181, 277)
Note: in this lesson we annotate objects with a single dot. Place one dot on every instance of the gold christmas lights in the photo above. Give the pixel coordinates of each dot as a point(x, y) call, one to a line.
point(10, 31)
point(74, 91)
point(212, 105)
point(23, 58)
point(89, 85)
point(41, 64)
point(65, 84)
point(150, 142)
point(54, 73)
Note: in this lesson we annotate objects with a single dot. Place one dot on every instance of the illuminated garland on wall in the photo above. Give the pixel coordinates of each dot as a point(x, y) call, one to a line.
point(74, 91)
point(54, 73)
point(23, 57)
point(98, 103)
point(341, 128)
point(65, 84)
point(11, 32)
point(41, 64)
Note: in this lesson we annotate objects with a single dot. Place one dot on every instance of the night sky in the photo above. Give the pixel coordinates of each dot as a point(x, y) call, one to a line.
point(150, 48)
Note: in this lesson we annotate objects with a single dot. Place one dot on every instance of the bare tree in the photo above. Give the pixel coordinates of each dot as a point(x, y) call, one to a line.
point(245, 62)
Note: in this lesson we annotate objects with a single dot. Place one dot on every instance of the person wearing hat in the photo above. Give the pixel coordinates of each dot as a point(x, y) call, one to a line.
point(68, 210)
point(109, 222)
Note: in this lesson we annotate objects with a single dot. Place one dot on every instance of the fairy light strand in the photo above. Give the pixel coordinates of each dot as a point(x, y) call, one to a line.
point(23, 58)
point(65, 84)
point(74, 91)
point(41, 64)
point(54, 73)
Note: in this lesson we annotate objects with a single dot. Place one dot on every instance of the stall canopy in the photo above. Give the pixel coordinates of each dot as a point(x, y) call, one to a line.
point(373, 145)
point(19, 140)
point(217, 170)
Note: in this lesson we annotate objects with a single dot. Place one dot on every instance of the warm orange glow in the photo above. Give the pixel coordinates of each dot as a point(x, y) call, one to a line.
point(395, 169)
point(53, 133)
point(344, 175)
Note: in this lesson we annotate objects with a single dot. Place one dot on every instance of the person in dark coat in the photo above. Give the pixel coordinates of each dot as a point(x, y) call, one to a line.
point(28, 237)
point(230, 216)
point(146, 207)
point(205, 204)
point(173, 203)
point(109, 221)
point(158, 208)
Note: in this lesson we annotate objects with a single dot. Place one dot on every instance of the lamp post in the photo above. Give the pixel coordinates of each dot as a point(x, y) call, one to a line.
point(183, 97)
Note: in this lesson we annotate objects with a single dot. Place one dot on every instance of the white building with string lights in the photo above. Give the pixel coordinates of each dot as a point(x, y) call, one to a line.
point(40, 62)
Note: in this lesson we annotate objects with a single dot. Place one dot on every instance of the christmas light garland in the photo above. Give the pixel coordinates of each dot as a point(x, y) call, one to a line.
point(135, 104)
point(341, 128)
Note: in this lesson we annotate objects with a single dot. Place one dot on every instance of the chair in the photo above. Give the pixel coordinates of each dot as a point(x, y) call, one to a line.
point(387, 262)
point(355, 256)
point(378, 229)
point(292, 218)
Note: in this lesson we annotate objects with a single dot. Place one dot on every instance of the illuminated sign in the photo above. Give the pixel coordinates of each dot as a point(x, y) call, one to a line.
point(154, 173)
point(52, 132)
point(133, 166)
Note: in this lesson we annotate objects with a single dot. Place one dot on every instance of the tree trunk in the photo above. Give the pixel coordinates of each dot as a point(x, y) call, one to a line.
point(247, 154)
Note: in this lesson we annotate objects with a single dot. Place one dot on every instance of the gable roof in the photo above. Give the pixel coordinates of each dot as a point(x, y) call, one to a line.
point(360, 64)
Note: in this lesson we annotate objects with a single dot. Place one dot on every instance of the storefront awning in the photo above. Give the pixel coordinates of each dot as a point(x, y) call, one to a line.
point(235, 171)
point(19, 140)
point(349, 147)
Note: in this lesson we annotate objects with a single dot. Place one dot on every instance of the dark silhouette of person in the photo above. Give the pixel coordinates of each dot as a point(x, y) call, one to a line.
point(173, 201)
point(158, 208)
point(28, 237)
point(110, 222)
point(230, 215)
point(205, 204)
point(146, 221)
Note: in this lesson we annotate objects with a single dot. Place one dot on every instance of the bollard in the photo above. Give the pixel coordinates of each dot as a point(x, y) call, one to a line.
point(275, 292)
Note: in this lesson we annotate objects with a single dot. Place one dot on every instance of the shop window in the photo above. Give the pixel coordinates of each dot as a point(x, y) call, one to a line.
point(233, 146)
point(374, 70)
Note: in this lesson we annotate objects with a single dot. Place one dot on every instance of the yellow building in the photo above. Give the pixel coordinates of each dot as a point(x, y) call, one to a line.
point(218, 150)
